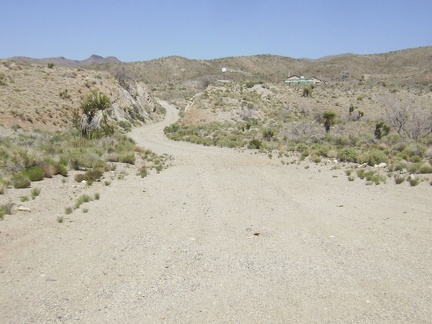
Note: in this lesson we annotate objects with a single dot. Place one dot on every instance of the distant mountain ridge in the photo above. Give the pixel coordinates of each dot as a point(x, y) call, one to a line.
point(62, 61)
point(409, 65)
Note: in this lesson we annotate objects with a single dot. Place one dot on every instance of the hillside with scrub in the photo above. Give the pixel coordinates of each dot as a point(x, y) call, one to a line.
point(366, 109)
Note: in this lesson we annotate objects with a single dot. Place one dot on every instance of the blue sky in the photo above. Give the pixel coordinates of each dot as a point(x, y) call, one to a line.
point(134, 30)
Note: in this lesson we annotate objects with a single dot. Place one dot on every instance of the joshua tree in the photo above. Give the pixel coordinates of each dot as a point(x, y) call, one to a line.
point(329, 118)
point(91, 106)
point(381, 129)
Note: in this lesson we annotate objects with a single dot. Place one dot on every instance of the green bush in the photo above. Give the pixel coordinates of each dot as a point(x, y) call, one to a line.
point(3, 185)
point(413, 181)
point(399, 179)
point(414, 168)
point(127, 127)
point(61, 169)
point(80, 177)
point(254, 144)
point(375, 157)
point(20, 180)
point(348, 155)
point(94, 174)
point(35, 173)
point(128, 158)
point(35, 192)
point(6, 209)
point(425, 169)
point(81, 200)
point(143, 172)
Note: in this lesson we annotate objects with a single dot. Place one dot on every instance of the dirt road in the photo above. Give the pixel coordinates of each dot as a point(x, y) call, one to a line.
point(224, 237)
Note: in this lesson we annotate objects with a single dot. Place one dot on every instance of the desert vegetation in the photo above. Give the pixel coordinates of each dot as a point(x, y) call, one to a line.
point(364, 123)
point(28, 157)
point(69, 122)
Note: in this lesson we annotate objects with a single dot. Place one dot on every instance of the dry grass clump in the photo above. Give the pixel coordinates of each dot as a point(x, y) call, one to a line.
point(6, 209)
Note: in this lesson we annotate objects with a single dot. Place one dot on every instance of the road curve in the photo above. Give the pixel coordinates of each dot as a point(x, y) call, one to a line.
point(229, 237)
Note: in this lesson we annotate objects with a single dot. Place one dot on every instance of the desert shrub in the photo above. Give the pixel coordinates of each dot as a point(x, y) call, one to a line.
point(94, 174)
point(414, 149)
point(61, 169)
point(399, 146)
point(35, 173)
point(80, 177)
point(128, 158)
point(20, 180)
point(127, 127)
point(425, 169)
point(375, 157)
point(3, 79)
point(399, 179)
point(321, 150)
point(143, 172)
point(6, 209)
point(411, 119)
point(399, 166)
point(414, 167)
point(315, 158)
point(371, 176)
point(415, 159)
point(35, 192)
point(48, 168)
point(173, 128)
point(268, 134)
point(351, 177)
point(413, 181)
point(81, 200)
point(254, 144)
point(50, 65)
point(3, 185)
point(348, 155)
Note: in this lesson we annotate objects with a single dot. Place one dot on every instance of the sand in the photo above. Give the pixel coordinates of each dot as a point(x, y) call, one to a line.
point(221, 236)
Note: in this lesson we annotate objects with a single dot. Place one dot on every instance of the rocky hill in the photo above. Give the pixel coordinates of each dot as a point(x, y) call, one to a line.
point(37, 96)
point(410, 65)
point(34, 95)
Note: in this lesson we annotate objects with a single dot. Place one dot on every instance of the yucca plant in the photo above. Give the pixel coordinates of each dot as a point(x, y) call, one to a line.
point(90, 106)
point(329, 118)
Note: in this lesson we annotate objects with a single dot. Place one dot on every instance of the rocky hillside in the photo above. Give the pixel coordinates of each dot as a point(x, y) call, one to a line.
point(398, 66)
point(37, 96)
